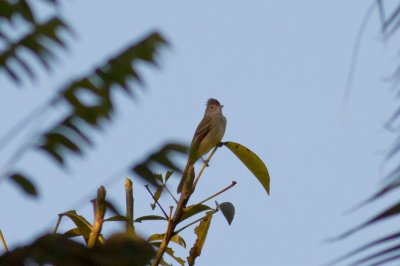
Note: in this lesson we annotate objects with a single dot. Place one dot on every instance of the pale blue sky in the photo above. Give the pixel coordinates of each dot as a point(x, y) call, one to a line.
point(279, 67)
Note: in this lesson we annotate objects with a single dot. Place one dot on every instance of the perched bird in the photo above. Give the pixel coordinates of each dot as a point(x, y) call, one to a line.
point(208, 134)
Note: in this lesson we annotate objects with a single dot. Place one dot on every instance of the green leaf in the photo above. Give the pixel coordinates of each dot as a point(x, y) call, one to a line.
point(157, 196)
point(117, 218)
point(228, 210)
point(82, 224)
point(176, 239)
point(193, 210)
point(72, 233)
point(170, 252)
point(24, 183)
point(168, 174)
point(201, 231)
point(149, 218)
point(252, 162)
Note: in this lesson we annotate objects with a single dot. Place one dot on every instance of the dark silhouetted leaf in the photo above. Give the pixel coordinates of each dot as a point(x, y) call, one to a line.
point(228, 210)
point(366, 247)
point(24, 183)
point(394, 210)
point(38, 42)
point(99, 85)
point(59, 250)
point(252, 162)
point(162, 157)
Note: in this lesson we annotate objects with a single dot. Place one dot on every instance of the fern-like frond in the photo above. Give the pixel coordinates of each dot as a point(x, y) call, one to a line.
point(161, 157)
point(9, 10)
point(98, 86)
point(39, 43)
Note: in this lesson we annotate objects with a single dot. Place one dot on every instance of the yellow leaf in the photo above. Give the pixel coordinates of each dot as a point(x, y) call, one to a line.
point(252, 162)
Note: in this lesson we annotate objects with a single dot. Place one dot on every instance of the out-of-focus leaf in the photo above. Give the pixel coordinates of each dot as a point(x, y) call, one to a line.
point(10, 9)
point(39, 42)
point(149, 218)
point(24, 183)
point(168, 174)
point(201, 231)
point(157, 196)
point(193, 210)
point(116, 74)
point(393, 250)
point(59, 250)
point(394, 210)
point(365, 247)
point(176, 239)
point(162, 157)
point(170, 252)
point(252, 162)
point(228, 210)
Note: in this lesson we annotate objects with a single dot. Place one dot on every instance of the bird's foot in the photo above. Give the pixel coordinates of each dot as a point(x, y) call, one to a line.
point(205, 161)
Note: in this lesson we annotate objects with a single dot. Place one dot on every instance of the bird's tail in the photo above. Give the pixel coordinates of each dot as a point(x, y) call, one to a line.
point(187, 176)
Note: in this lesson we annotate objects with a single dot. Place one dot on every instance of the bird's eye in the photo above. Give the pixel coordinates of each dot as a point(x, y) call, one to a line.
point(212, 107)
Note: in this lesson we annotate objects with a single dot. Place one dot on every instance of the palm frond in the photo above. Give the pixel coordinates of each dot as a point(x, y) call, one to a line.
point(69, 134)
point(39, 43)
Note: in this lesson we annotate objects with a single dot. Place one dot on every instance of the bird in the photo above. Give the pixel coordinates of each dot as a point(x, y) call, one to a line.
point(208, 134)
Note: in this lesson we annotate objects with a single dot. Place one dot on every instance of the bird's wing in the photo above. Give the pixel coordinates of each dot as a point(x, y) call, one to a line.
point(201, 132)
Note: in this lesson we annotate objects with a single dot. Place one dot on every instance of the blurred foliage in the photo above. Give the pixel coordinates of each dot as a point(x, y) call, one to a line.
point(59, 250)
point(384, 250)
point(90, 105)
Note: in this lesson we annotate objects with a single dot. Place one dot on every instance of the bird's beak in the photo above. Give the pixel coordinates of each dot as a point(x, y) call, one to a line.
point(222, 106)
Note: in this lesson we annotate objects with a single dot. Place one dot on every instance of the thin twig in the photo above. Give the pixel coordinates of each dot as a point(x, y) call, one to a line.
point(216, 194)
point(3, 241)
point(57, 224)
point(196, 221)
point(204, 166)
point(156, 201)
point(169, 192)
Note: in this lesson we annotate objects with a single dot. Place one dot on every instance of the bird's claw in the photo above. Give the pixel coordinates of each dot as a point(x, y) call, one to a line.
point(205, 161)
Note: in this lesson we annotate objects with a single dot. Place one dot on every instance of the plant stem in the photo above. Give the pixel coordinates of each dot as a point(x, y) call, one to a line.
point(3, 241)
point(169, 192)
point(100, 210)
point(204, 166)
point(219, 192)
point(57, 224)
point(129, 225)
point(183, 200)
point(172, 223)
point(196, 221)
point(156, 201)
